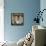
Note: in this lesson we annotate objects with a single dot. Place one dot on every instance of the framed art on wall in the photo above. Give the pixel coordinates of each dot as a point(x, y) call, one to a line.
point(17, 18)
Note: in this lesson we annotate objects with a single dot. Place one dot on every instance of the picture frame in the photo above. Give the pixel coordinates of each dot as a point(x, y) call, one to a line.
point(17, 18)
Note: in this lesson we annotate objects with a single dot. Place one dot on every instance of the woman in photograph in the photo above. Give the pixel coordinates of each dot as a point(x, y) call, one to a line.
point(18, 19)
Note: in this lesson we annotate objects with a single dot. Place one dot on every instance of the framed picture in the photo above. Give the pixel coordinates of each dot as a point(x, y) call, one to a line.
point(17, 18)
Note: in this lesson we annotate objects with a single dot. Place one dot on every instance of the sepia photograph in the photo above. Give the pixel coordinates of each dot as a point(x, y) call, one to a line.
point(17, 18)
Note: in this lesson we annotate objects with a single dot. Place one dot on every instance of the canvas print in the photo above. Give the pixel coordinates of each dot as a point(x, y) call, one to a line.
point(17, 18)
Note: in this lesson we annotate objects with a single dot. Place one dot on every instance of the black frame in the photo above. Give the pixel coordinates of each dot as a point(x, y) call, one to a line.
point(17, 14)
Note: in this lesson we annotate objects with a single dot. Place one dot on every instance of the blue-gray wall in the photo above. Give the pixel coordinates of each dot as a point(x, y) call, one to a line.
point(28, 7)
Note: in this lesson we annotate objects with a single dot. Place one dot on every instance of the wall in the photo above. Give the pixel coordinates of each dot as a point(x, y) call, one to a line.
point(1, 20)
point(28, 7)
point(43, 6)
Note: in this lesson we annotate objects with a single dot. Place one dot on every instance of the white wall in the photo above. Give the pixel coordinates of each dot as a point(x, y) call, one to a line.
point(1, 20)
